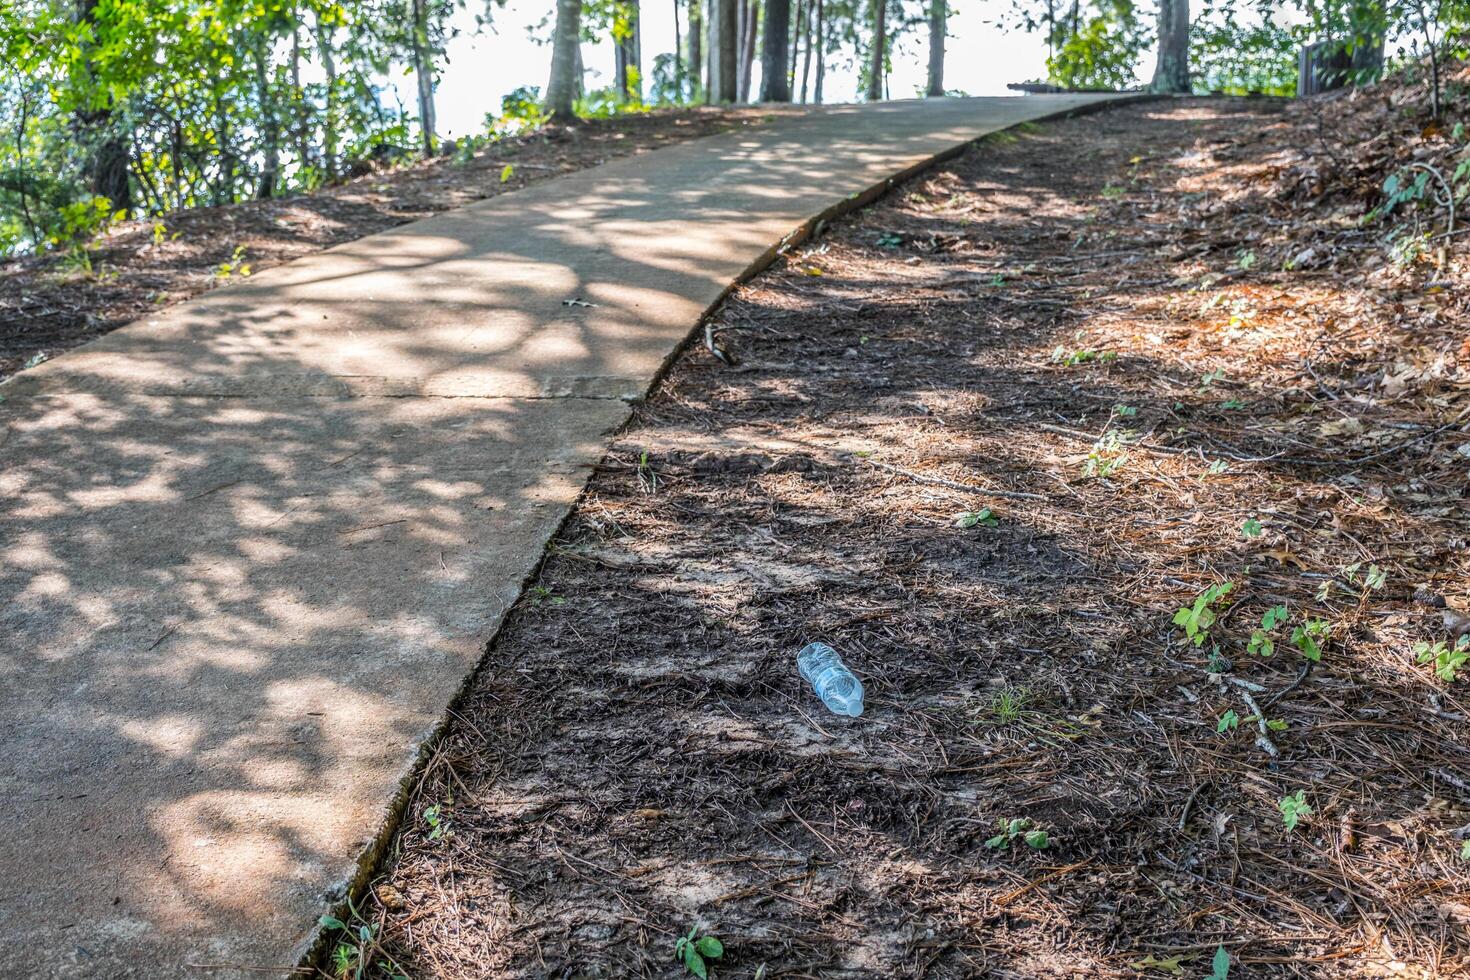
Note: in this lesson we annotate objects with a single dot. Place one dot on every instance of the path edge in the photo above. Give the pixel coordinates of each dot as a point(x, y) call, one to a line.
point(343, 896)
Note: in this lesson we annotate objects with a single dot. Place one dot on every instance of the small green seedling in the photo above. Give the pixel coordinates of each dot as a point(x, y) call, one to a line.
point(1261, 643)
point(438, 822)
point(1310, 636)
point(1465, 851)
point(357, 950)
point(647, 479)
point(1220, 965)
point(1251, 528)
point(1019, 828)
point(1448, 660)
point(1068, 358)
point(1125, 411)
point(1216, 467)
point(1108, 454)
point(1232, 404)
point(541, 594)
point(971, 518)
point(695, 950)
point(237, 266)
point(890, 239)
point(1199, 617)
point(1245, 260)
point(1210, 378)
point(1294, 808)
point(1228, 722)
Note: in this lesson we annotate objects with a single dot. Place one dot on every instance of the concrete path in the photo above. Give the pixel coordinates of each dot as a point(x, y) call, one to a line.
point(251, 548)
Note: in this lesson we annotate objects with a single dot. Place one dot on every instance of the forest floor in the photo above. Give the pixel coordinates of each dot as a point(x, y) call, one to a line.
point(987, 437)
point(52, 303)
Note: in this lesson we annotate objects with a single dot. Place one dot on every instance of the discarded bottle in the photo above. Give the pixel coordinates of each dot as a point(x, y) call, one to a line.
point(824, 670)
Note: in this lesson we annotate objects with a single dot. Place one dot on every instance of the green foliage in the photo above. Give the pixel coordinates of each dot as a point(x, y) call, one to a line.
point(1198, 618)
point(1220, 965)
point(1099, 46)
point(1261, 643)
point(1242, 58)
point(695, 951)
point(1293, 809)
point(356, 949)
point(1447, 660)
point(1310, 636)
point(1019, 828)
point(971, 518)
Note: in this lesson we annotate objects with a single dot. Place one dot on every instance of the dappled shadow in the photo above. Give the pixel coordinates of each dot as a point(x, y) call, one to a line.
point(253, 545)
point(640, 754)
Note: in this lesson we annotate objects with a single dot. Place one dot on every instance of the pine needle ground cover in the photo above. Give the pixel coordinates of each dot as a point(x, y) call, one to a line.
point(1125, 462)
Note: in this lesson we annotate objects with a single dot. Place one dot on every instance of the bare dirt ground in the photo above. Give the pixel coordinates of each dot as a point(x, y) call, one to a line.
point(1107, 333)
point(49, 304)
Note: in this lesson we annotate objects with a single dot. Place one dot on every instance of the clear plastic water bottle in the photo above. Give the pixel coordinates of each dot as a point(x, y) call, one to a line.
point(824, 670)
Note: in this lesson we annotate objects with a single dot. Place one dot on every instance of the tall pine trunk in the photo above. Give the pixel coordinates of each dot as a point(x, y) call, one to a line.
point(270, 126)
point(938, 17)
point(821, 53)
point(1172, 72)
point(561, 88)
point(774, 84)
point(722, 51)
point(750, 14)
point(806, 58)
point(879, 52)
point(696, 49)
point(795, 46)
point(423, 69)
point(629, 55)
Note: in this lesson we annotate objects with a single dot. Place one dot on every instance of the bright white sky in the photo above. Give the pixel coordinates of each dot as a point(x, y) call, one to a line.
point(483, 68)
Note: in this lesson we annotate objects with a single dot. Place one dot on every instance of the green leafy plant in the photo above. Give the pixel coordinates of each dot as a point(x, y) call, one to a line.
point(357, 950)
point(541, 594)
point(507, 172)
point(971, 518)
point(1251, 528)
point(890, 239)
point(1019, 828)
point(1108, 454)
point(1197, 618)
point(1447, 660)
point(1228, 722)
point(1465, 850)
point(1068, 358)
point(235, 266)
point(1245, 260)
point(695, 951)
point(1008, 704)
point(1220, 965)
point(1293, 809)
point(1261, 643)
point(1310, 637)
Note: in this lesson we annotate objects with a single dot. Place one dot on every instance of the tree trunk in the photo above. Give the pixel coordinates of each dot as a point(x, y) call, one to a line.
point(795, 48)
point(774, 87)
point(938, 18)
point(696, 48)
point(329, 110)
point(678, 54)
point(106, 151)
point(806, 59)
point(1172, 73)
point(880, 50)
point(629, 55)
point(270, 127)
point(423, 68)
point(821, 53)
point(722, 51)
point(561, 88)
point(749, 26)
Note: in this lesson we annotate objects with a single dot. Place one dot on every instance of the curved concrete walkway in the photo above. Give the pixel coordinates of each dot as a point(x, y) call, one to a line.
point(251, 548)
